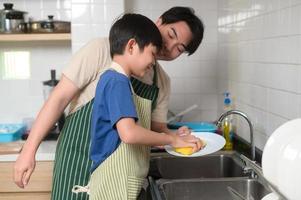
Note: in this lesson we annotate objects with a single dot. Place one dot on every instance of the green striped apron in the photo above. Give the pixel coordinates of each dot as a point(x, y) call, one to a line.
point(147, 91)
point(72, 163)
point(123, 173)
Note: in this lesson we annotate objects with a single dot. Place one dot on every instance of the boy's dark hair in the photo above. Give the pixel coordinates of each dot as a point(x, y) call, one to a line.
point(186, 14)
point(135, 26)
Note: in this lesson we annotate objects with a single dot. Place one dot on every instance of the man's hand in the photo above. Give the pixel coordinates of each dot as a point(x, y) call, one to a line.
point(183, 130)
point(23, 169)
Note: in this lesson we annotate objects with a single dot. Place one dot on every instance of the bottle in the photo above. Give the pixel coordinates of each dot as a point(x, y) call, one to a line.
point(227, 127)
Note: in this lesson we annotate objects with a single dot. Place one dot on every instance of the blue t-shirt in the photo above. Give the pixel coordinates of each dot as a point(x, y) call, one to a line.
point(113, 101)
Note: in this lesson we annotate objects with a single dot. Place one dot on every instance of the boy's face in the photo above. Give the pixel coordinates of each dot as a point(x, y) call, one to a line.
point(142, 60)
point(176, 36)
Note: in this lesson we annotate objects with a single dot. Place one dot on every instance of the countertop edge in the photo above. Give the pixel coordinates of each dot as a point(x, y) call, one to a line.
point(46, 152)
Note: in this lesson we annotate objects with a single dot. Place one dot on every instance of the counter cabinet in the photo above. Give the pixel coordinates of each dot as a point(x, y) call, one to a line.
point(39, 186)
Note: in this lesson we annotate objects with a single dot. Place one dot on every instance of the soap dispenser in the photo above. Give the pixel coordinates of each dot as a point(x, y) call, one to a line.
point(227, 127)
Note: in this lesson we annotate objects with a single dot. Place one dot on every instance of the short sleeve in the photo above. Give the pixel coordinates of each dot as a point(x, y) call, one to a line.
point(159, 114)
point(86, 64)
point(120, 101)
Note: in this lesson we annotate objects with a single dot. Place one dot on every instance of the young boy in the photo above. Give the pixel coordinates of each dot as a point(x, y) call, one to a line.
point(120, 135)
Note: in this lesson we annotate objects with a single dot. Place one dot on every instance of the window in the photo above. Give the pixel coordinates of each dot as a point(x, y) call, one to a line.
point(15, 65)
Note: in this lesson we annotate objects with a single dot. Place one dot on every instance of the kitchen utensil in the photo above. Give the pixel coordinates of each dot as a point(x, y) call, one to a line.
point(194, 126)
point(281, 160)
point(11, 20)
point(182, 113)
point(50, 26)
point(214, 142)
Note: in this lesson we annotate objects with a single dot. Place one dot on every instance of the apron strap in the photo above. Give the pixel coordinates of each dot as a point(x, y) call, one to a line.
point(147, 91)
point(81, 189)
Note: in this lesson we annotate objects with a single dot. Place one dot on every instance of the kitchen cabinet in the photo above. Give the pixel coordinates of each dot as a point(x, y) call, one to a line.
point(39, 186)
point(35, 37)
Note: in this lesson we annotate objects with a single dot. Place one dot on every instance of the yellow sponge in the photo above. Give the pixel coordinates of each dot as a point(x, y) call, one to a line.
point(188, 150)
point(184, 150)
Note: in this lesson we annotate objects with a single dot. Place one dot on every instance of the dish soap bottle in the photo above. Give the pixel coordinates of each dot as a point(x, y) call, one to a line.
point(227, 127)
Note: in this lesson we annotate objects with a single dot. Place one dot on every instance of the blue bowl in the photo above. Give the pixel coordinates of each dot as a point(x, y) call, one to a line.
point(194, 126)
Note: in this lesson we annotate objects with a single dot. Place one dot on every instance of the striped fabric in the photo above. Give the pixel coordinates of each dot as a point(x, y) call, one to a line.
point(72, 164)
point(123, 173)
point(146, 91)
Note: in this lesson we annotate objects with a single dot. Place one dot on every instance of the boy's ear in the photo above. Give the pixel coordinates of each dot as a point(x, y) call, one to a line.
point(159, 22)
point(130, 46)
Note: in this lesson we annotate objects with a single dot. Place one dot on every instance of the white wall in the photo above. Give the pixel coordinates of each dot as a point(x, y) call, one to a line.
point(193, 78)
point(23, 98)
point(251, 48)
point(93, 18)
point(259, 61)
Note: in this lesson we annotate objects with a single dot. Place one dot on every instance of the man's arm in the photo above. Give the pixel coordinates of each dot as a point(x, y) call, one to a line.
point(162, 128)
point(53, 108)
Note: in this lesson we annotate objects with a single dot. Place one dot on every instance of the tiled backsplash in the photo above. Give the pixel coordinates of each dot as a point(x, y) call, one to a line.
point(259, 61)
point(251, 48)
point(22, 98)
point(193, 78)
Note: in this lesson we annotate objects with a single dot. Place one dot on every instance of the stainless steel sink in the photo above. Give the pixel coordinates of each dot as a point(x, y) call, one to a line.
point(210, 189)
point(221, 164)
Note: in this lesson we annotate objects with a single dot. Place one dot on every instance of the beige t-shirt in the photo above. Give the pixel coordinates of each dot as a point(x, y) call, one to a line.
point(84, 71)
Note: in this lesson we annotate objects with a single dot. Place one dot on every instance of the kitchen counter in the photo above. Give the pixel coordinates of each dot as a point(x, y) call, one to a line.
point(45, 152)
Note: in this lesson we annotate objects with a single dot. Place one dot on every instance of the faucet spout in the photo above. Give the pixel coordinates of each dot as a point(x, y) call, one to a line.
point(242, 114)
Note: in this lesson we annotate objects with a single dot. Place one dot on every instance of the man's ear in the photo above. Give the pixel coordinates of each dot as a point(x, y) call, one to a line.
point(130, 46)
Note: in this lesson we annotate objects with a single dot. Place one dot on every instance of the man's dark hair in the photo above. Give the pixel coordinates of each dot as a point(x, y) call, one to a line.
point(186, 14)
point(135, 26)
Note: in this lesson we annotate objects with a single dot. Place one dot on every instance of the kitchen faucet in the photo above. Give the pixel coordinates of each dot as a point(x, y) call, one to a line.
point(237, 112)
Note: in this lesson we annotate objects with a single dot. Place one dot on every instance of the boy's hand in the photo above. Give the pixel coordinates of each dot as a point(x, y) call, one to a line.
point(187, 141)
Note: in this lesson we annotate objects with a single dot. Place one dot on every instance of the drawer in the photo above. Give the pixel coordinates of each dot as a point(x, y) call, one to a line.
point(25, 196)
point(40, 181)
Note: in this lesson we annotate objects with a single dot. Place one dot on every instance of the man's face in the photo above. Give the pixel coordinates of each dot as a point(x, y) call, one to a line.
point(176, 37)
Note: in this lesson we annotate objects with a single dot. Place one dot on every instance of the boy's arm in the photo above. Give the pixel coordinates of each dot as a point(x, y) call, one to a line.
point(48, 115)
point(131, 133)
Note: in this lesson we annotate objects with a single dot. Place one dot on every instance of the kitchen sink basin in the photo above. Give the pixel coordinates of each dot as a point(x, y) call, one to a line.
point(207, 189)
point(217, 165)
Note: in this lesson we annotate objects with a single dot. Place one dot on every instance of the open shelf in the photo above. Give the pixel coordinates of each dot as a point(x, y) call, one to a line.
point(35, 37)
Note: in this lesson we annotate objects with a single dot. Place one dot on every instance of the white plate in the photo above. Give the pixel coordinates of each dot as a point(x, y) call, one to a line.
point(281, 159)
point(214, 142)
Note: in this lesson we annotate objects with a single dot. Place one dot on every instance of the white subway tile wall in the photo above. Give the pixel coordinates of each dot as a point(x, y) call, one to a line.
point(23, 98)
point(259, 61)
point(193, 78)
point(92, 19)
point(250, 48)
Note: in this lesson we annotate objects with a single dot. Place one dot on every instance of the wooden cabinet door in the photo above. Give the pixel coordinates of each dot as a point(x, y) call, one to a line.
point(39, 186)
